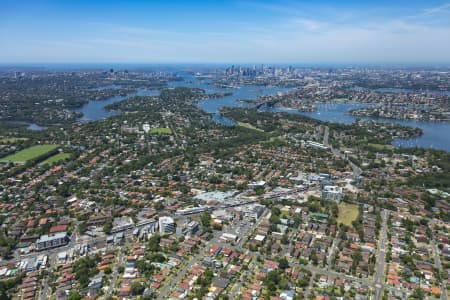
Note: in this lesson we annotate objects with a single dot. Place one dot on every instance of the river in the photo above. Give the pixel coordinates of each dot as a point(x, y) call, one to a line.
point(400, 91)
point(436, 134)
point(213, 105)
point(95, 109)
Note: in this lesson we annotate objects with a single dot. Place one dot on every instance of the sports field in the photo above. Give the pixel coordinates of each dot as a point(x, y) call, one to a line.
point(29, 153)
point(347, 213)
point(55, 158)
point(161, 130)
point(249, 126)
point(12, 140)
point(381, 146)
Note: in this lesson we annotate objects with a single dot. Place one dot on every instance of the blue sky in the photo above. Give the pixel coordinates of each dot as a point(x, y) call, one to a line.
point(314, 31)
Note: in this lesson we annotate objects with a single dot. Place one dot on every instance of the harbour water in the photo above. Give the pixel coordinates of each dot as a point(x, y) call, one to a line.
point(35, 127)
point(435, 134)
point(213, 105)
point(400, 91)
point(95, 109)
point(397, 91)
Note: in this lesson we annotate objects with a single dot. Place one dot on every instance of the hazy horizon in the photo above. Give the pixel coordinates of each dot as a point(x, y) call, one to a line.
point(177, 65)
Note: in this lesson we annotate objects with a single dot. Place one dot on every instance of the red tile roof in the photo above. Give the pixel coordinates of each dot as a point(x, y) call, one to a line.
point(58, 228)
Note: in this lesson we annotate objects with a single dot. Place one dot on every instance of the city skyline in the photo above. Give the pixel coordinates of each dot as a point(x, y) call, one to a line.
point(319, 32)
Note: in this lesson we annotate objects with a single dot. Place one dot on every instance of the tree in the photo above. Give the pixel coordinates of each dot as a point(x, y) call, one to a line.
point(140, 265)
point(137, 288)
point(8, 284)
point(272, 280)
point(107, 227)
point(357, 256)
point(7, 244)
point(74, 295)
point(82, 227)
point(85, 268)
point(314, 258)
point(153, 243)
point(259, 191)
point(418, 294)
point(158, 206)
point(148, 296)
point(283, 263)
point(206, 221)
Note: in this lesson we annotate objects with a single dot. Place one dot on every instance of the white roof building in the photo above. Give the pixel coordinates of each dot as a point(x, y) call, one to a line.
point(166, 225)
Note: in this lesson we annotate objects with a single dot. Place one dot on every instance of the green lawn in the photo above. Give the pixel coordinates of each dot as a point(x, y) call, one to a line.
point(277, 139)
point(161, 130)
point(381, 146)
point(249, 126)
point(347, 213)
point(56, 158)
point(29, 153)
point(12, 140)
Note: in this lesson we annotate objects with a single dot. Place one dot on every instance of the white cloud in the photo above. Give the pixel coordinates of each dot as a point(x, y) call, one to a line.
point(308, 24)
point(445, 8)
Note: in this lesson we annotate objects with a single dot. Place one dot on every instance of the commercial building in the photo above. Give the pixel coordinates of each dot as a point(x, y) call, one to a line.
point(192, 228)
point(216, 196)
point(316, 145)
point(46, 242)
point(100, 219)
point(166, 225)
point(188, 228)
point(192, 210)
point(229, 237)
point(332, 193)
point(254, 211)
point(256, 184)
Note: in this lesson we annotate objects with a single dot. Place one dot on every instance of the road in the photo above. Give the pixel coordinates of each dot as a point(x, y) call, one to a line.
point(325, 136)
point(52, 254)
point(74, 241)
point(356, 170)
point(115, 274)
point(310, 286)
point(237, 287)
point(438, 265)
point(366, 281)
point(336, 241)
point(381, 257)
point(164, 291)
point(244, 232)
point(44, 291)
point(371, 283)
point(376, 284)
